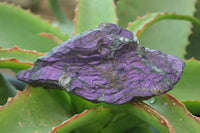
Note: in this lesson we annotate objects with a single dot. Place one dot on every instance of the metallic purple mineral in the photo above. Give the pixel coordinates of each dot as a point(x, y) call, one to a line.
point(105, 65)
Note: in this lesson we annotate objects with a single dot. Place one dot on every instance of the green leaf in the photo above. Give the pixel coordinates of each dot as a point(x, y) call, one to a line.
point(20, 54)
point(88, 121)
point(65, 24)
point(35, 110)
point(118, 124)
point(6, 90)
point(140, 129)
point(129, 10)
point(193, 47)
point(188, 86)
point(193, 106)
point(17, 59)
point(176, 113)
point(21, 28)
point(90, 13)
point(144, 22)
point(137, 111)
point(151, 116)
point(167, 36)
point(14, 64)
point(122, 123)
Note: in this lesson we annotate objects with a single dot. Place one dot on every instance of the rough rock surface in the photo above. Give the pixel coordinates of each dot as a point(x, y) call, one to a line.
point(105, 64)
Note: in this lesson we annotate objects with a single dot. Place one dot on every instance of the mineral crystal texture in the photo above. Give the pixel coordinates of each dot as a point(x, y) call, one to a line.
point(105, 64)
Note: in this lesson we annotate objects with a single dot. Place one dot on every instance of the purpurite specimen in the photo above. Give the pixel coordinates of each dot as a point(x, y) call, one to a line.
point(105, 65)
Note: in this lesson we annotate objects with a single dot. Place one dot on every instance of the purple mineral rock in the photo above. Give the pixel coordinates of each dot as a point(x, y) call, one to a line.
point(105, 65)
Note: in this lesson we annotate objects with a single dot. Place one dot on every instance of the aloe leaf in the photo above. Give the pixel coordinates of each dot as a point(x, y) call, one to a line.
point(88, 121)
point(188, 86)
point(128, 10)
point(168, 36)
point(101, 120)
point(14, 64)
point(89, 14)
point(152, 117)
point(21, 28)
point(144, 22)
point(41, 101)
point(141, 129)
point(193, 106)
point(187, 89)
point(123, 122)
point(65, 24)
point(6, 90)
point(139, 112)
point(35, 110)
point(193, 46)
point(17, 59)
point(177, 114)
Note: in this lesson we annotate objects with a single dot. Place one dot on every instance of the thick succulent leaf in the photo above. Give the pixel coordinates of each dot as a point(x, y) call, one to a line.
point(141, 129)
point(18, 59)
point(188, 87)
point(101, 120)
point(193, 47)
point(122, 123)
point(193, 106)
point(35, 110)
point(144, 22)
point(152, 117)
point(177, 114)
point(90, 13)
point(6, 90)
point(21, 28)
point(132, 114)
point(14, 64)
point(88, 121)
point(128, 10)
point(167, 36)
point(65, 25)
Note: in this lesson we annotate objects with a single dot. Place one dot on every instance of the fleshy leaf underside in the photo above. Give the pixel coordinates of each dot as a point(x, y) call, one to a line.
point(105, 65)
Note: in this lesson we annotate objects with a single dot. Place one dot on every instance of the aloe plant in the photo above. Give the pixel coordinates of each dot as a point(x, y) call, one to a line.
point(24, 37)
